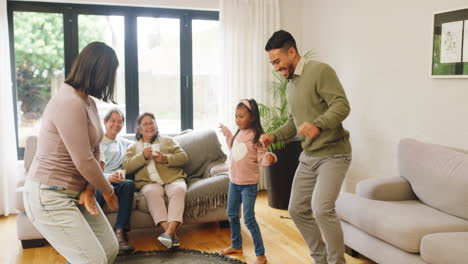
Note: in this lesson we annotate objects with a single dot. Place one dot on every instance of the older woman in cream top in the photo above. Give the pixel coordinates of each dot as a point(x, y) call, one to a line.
point(156, 162)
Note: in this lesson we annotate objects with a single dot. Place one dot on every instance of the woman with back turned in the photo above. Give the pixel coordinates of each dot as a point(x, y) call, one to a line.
point(59, 190)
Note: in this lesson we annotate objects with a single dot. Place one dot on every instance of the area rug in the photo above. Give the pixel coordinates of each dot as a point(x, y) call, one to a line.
point(177, 256)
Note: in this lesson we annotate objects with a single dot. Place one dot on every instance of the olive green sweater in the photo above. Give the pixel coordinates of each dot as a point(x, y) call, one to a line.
point(315, 95)
point(135, 162)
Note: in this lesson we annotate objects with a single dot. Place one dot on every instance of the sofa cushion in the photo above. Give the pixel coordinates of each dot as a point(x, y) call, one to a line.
point(400, 223)
point(376, 249)
point(202, 148)
point(438, 175)
point(442, 248)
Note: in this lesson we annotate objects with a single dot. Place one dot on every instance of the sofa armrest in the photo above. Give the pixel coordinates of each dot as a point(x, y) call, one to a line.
point(204, 195)
point(386, 189)
point(216, 167)
point(19, 205)
point(29, 151)
point(21, 177)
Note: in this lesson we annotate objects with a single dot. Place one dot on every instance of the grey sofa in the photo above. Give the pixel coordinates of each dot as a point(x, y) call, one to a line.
point(419, 217)
point(207, 182)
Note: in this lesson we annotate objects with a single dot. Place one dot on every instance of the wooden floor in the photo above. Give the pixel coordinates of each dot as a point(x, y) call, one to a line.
point(283, 243)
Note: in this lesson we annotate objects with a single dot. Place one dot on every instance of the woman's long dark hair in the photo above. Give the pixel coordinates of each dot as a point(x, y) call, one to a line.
point(138, 135)
point(93, 71)
point(255, 116)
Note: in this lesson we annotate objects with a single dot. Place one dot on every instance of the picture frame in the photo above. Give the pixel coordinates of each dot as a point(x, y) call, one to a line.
point(450, 44)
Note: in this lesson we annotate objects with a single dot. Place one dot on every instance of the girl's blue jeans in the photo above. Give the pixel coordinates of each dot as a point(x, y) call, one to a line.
point(246, 195)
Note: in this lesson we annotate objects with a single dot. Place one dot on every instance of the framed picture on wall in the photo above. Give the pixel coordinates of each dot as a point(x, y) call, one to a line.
point(450, 44)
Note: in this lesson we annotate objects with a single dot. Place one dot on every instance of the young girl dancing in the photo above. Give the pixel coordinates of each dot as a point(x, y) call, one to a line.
point(246, 156)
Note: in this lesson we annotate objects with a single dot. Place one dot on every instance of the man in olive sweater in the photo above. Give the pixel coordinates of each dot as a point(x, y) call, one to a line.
point(317, 105)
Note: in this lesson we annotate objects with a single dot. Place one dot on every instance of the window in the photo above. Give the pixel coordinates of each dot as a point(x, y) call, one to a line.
point(206, 61)
point(39, 67)
point(168, 61)
point(159, 71)
point(111, 31)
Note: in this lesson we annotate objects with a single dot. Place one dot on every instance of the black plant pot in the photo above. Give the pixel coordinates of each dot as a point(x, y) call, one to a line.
point(280, 175)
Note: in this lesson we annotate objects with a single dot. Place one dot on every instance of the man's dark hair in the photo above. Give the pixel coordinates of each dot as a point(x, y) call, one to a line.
point(114, 110)
point(93, 71)
point(281, 40)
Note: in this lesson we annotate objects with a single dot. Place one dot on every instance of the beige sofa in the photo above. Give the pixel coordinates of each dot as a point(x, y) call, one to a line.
point(419, 217)
point(206, 198)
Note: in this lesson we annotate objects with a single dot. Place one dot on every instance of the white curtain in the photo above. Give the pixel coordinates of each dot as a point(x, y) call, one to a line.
point(8, 156)
point(246, 26)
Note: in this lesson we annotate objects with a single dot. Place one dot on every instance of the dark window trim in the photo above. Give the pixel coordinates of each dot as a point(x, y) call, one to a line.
point(186, 84)
point(20, 151)
point(70, 14)
point(70, 37)
point(46, 7)
point(132, 98)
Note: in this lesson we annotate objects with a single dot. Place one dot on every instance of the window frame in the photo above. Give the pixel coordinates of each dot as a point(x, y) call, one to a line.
point(70, 14)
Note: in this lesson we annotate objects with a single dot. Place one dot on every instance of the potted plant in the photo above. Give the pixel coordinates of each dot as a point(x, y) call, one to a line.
point(280, 175)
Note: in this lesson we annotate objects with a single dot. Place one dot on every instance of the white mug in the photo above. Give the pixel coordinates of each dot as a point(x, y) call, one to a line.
point(156, 147)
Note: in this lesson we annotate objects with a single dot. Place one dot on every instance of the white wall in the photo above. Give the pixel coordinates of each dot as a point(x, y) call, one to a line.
point(381, 51)
point(291, 19)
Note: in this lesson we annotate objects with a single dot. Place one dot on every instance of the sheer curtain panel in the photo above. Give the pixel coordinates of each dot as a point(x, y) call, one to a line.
point(8, 155)
point(246, 25)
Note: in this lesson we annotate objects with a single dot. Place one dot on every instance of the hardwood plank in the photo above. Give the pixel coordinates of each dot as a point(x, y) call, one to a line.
point(283, 243)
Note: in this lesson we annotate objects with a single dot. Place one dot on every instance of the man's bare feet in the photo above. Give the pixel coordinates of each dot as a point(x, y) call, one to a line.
point(261, 260)
point(230, 250)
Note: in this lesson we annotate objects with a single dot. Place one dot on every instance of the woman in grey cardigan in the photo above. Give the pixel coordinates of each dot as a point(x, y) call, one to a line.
point(156, 162)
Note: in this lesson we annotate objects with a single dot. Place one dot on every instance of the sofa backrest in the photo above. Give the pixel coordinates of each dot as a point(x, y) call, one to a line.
point(202, 148)
point(438, 175)
point(29, 151)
